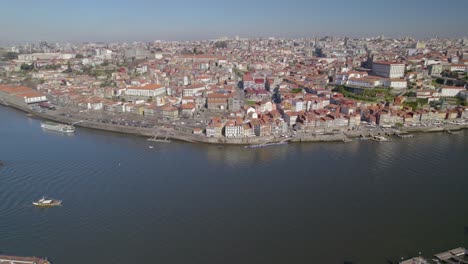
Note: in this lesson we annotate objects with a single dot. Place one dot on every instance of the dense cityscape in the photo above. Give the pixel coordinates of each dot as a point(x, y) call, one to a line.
point(234, 90)
point(257, 132)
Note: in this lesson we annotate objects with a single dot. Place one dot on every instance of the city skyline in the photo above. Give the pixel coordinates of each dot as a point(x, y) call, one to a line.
point(143, 20)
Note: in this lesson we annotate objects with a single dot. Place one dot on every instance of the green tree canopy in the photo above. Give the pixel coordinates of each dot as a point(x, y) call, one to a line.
point(26, 67)
point(10, 56)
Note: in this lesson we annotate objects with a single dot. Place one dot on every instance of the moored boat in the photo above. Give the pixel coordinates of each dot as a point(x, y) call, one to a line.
point(380, 139)
point(45, 202)
point(266, 145)
point(58, 127)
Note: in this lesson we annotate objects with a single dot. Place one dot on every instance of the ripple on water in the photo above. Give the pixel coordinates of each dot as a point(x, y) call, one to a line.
point(222, 201)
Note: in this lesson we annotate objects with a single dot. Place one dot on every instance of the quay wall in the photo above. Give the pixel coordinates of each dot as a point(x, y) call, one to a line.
point(188, 137)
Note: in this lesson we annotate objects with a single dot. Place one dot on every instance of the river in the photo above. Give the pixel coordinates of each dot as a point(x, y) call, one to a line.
point(360, 202)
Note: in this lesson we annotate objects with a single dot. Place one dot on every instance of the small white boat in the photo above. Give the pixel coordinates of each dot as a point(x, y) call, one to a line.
point(58, 127)
point(380, 139)
point(151, 147)
point(45, 202)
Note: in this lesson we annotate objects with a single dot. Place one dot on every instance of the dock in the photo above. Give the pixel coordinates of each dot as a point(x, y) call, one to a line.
point(266, 145)
point(282, 142)
point(404, 135)
point(156, 139)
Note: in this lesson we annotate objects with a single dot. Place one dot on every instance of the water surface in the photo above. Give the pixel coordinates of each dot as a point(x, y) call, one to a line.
point(364, 202)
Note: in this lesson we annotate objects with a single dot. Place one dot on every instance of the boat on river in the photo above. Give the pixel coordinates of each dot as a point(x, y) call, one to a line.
point(58, 127)
point(380, 139)
point(47, 202)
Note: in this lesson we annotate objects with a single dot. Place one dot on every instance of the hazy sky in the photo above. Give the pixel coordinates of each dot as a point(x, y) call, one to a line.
point(147, 20)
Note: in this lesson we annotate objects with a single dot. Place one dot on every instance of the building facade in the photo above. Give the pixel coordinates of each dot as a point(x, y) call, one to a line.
point(388, 69)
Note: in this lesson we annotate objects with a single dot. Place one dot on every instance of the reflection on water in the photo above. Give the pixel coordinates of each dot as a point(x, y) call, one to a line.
point(239, 156)
point(57, 133)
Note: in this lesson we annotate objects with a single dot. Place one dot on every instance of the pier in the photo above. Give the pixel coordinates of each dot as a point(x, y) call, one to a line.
point(282, 142)
point(156, 139)
point(404, 135)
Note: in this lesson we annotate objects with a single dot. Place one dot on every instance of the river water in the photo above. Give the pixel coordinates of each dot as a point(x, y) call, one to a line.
point(361, 202)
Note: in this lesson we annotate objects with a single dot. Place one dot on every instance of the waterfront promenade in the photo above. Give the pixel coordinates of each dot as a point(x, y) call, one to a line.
point(178, 132)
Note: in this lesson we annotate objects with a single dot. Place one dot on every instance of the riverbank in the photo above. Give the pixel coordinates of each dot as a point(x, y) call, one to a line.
point(193, 138)
point(139, 131)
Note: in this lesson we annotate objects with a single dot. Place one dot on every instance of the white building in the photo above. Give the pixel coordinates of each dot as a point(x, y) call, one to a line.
point(266, 107)
point(45, 56)
point(451, 91)
point(94, 105)
point(32, 97)
point(343, 77)
point(193, 90)
point(458, 67)
point(234, 129)
point(142, 69)
point(150, 90)
point(299, 105)
point(395, 83)
point(388, 69)
point(367, 82)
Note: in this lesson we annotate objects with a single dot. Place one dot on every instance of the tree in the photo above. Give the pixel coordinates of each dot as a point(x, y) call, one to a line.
point(296, 90)
point(10, 56)
point(79, 56)
point(53, 67)
point(26, 67)
point(69, 69)
point(87, 70)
